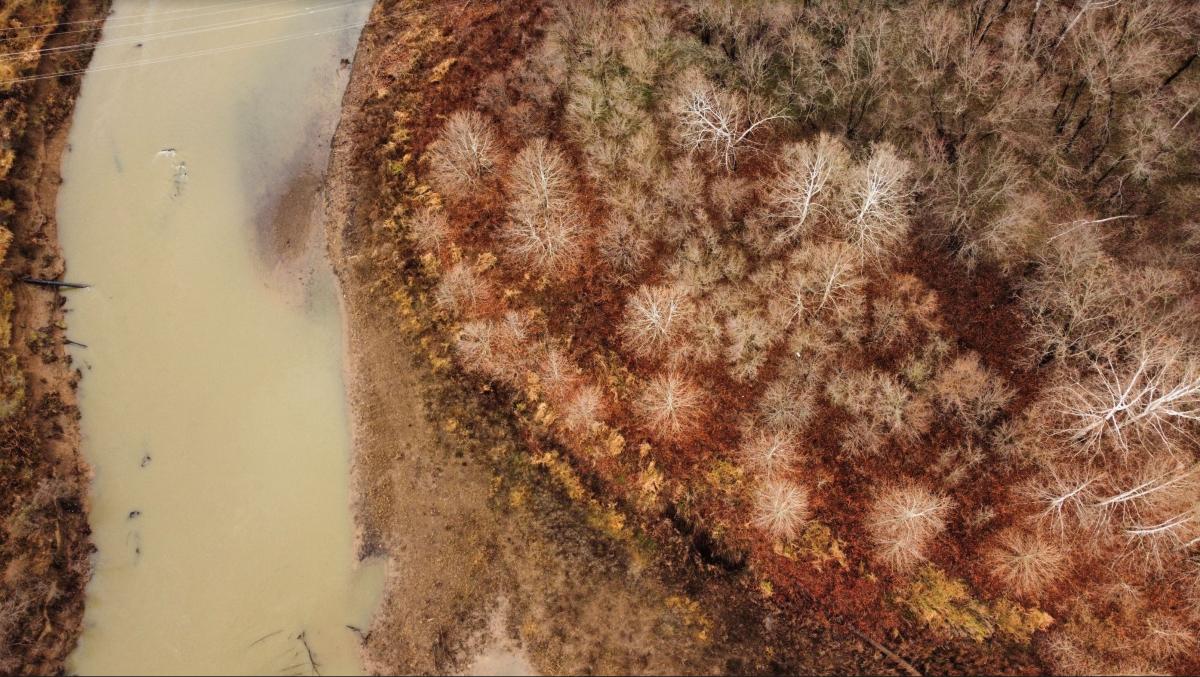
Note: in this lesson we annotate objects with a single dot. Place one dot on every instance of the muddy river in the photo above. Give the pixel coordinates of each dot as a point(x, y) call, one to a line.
point(212, 395)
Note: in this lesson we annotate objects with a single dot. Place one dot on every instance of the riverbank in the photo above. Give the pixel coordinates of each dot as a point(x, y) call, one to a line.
point(497, 554)
point(44, 544)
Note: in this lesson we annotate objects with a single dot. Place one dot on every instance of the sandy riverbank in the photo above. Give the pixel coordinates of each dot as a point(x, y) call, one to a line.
point(45, 548)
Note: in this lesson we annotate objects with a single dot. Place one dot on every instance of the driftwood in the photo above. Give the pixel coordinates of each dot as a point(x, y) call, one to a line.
point(74, 343)
point(53, 283)
point(903, 664)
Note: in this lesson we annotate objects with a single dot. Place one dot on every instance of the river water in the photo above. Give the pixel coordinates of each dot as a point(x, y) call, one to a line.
point(213, 409)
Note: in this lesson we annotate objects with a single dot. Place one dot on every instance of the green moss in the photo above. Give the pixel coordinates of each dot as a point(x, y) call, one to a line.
point(946, 604)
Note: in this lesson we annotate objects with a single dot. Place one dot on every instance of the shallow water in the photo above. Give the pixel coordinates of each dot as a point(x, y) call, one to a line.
point(212, 399)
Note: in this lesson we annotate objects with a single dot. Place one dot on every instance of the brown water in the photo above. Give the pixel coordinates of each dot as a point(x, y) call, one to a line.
point(212, 398)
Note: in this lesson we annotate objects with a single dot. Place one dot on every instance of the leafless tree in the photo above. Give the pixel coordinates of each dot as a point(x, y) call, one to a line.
point(769, 453)
point(903, 520)
point(1025, 563)
point(544, 229)
point(781, 508)
point(822, 276)
point(671, 405)
point(1155, 399)
point(464, 154)
point(804, 191)
point(719, 123)
point(876, 203)
point(655, 318)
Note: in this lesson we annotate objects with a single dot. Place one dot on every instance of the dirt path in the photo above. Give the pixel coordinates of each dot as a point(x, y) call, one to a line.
point(492, 565)
point(44, 546)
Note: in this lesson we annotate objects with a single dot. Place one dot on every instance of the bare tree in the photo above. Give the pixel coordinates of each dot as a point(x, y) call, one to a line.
point(655, 318)
point(719, 123)
point(1157, 398)
point(460, 289)
point(822, 276)
point(876, 203)
point(1025, 563)
point(429, 229)
point(464, 153)
point(781, 508)
point(543, 229)
point(769, 452)
point(804, 191)
point(671, 405)
point(903, 520)
point(585, 409)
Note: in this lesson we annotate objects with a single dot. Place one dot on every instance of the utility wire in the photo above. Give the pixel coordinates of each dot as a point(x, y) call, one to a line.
point(118, 22)
point(228, 48)
point(150, 37)
point(109, 18)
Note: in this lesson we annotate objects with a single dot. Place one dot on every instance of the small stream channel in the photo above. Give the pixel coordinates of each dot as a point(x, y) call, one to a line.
point(213, 408)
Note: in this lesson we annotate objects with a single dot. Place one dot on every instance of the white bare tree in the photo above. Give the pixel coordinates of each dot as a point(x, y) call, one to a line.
point(719, 123)
point(543, 230)
point(876, 203)
point(1157, 398)
point(671, 405)
point(903, 520)
point(803, 191)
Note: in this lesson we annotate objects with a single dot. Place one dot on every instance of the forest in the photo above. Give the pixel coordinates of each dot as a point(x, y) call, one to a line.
point(897, 303)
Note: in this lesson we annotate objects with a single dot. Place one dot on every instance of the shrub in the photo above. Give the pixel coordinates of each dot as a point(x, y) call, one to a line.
point(495, 349)
point(671, 406)
point(971, 391)
point(781, 508)
point(902, 520)
point(624, 247)
point(464, 154)
point(475, 347)
point(748, 338)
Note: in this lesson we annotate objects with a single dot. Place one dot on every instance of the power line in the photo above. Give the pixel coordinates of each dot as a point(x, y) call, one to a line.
point(116, 22)
point(109, 18)
point(150, 37)
point(227, 48)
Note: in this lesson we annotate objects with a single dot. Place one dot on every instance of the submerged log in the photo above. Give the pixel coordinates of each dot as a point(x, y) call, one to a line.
point(53, 283)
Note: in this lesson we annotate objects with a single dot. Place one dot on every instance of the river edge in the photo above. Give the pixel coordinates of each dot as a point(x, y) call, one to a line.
point(52, 563)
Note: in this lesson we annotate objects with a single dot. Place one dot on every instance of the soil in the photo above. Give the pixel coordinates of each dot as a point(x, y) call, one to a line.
point(44, 543)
